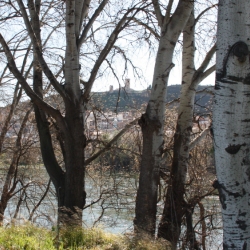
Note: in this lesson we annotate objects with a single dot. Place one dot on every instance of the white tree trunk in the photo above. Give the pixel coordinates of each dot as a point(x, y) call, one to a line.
point(152, 122)
point(232, 121)
point(72, 66)
point(170, 225)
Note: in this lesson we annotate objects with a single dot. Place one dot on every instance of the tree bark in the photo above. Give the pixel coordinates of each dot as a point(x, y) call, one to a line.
point(69, 184)
point(152, 122)
point(175, 205)
point(231, 121)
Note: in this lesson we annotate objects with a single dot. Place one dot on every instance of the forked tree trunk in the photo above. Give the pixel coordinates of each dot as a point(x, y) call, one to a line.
point(152, 122)
point(231, 121)
point(69, 184)
point(175, 207)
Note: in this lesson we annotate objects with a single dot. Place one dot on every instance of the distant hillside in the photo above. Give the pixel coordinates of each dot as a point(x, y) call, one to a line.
point(133, 100)
point(121, 101)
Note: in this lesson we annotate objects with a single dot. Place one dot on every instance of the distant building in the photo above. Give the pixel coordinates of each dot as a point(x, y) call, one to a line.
point(127, 85)
point(111, 89)
point(107, 121)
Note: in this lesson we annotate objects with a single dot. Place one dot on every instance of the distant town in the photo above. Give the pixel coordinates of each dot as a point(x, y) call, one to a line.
point(110, 111)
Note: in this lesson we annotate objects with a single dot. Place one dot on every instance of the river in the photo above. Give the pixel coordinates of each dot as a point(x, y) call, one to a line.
point(110, 205)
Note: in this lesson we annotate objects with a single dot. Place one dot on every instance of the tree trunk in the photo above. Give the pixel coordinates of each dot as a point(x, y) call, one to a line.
point(152, 122)
point(175, 206)
point(69, 185)
point(146, 199)
point(74, 192)
point(192, 243)
point(232, 121)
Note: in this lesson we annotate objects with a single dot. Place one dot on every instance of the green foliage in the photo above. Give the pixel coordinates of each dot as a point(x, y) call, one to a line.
point(29, 237)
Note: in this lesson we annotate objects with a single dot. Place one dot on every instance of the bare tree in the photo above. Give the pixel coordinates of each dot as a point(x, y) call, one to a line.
point(79, 19)
point(170, 225)
point(152, 122)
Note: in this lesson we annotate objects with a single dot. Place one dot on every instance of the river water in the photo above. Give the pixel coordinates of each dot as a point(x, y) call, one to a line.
point(110, 205)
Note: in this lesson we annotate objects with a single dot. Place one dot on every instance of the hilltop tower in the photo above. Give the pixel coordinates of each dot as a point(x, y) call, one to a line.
point(111, 89)
point(127, 84)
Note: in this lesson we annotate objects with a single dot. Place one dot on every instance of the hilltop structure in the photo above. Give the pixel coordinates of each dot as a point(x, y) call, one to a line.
point(126, 99)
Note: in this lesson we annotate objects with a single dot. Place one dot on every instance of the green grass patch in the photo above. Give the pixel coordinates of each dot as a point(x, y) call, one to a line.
point(90, 239)
point(26, 237)
point(30, 237)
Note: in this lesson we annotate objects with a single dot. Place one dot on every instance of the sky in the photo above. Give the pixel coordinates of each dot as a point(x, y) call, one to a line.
point(147, 67)
point(145, 59)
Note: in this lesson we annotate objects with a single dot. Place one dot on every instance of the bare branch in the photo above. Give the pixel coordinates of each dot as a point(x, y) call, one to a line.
point(204, 75)
point(200, 75)
point(91, 21)
point(168, 12)
point(151, 30)
point(207, 60)
point(109, 45)
point(85, 10)
point(109, 144)
point(158, 13)
point(203, 12)
point(16, 97)
point(34, 97)
point(40, 201)
point(37, 48)
point(197, 139)
point(7, 190)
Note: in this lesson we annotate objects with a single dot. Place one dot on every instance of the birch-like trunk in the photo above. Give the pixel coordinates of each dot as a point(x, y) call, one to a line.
point(152, 122)
point(170, 225)
point(231, 121)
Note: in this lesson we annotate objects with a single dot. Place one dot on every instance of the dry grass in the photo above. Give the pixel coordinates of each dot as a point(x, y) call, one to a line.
point(29, 237)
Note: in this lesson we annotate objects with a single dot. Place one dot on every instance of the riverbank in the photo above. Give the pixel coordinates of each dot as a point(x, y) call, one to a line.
point(30, 237)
